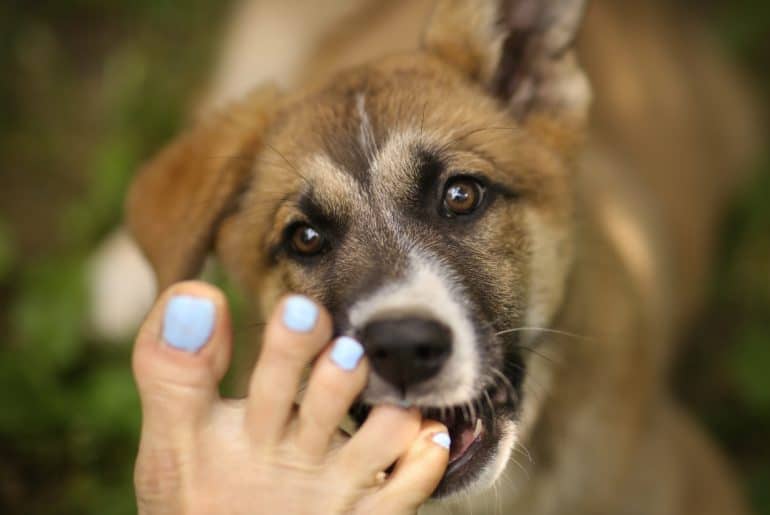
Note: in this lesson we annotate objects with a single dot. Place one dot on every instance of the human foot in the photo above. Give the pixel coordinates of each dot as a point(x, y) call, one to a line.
point(200, 453)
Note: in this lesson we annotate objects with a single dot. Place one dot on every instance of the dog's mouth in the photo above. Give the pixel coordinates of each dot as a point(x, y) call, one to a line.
point(474, 428)
point(473, 438)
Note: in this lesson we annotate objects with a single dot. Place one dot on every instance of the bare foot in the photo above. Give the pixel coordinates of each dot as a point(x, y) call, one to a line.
point(201, 454)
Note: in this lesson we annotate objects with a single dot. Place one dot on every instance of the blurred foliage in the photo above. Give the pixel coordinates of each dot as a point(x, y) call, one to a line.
point(81, 107)
point(725, 373)
point(88, 90)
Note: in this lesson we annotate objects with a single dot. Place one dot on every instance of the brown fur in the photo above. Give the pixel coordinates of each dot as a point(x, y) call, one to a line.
point(603, 433)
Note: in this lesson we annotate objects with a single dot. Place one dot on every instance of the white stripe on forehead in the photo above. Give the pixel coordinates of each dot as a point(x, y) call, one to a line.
point(430, 289)
point(365, 129)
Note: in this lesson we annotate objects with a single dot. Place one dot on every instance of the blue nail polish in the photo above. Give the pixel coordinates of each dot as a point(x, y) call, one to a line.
point(442, 439)
point(188, 322)
point(346, 353)
point(300, 314)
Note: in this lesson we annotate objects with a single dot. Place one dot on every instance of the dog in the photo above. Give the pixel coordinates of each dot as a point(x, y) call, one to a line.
point(516, 263)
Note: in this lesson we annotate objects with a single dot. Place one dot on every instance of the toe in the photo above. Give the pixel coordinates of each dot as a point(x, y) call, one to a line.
point(338, 377)
point(297, 331)
point(386, 435)
point(418, 472)
point(181, 353)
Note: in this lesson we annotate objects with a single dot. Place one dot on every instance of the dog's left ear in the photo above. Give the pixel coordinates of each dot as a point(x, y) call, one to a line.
point(180, 199)
point(521, 51)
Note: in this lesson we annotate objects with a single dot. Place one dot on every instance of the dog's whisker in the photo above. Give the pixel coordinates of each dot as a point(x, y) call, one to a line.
point(491, 405)
point(539, 354)
point(487, 325)
point(291, 165)
point(422, 119)
point(544, 330)
point(523, 449)
point(456, 139)
point(538, 387)
point(523, 469)
point(508, 389)
point(506, 381)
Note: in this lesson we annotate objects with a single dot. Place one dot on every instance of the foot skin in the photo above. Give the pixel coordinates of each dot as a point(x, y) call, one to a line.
point(201, 454)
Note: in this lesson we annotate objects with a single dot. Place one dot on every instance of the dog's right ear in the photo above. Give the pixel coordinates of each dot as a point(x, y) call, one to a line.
point(178, 201)
point(519, 51)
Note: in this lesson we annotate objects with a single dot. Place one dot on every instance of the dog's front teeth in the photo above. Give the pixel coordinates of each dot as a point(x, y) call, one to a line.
point(478, 429)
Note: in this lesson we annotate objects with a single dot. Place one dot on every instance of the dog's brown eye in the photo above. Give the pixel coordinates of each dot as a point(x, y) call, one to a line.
point(462, 196)
point(306, 240)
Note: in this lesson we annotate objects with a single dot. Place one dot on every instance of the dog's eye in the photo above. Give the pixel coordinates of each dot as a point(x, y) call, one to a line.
point(462, 196)
point(306, 240)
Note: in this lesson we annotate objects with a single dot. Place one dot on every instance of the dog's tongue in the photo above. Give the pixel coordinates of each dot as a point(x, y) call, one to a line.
point(462, 438)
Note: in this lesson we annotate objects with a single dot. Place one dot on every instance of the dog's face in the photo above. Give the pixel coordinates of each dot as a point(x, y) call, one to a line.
point(425, 200)
point(417, 212)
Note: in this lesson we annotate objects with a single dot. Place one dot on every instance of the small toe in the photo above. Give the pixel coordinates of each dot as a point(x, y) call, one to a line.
point(418, 472)
point(384, 437)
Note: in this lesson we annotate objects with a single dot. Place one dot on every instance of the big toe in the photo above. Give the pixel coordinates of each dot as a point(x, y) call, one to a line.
point(181, 353)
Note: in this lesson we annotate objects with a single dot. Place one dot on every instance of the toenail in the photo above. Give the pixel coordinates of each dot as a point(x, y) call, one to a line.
point(188, 322)
point(300, 314)
point(346, 353)
point(442, 439)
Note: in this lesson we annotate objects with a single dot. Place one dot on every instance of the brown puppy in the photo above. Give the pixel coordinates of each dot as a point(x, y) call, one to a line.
point(504, 275)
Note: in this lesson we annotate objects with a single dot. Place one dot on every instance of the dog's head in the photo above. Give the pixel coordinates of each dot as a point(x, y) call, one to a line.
point(424, 199)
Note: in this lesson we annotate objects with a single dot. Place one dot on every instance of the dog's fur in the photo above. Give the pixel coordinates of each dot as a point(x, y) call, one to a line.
point(569, 286)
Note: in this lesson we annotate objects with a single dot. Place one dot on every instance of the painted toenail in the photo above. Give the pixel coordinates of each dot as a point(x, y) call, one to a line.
point(346, 353)
point(300, 314)
point(188, 322)
point(442, 439)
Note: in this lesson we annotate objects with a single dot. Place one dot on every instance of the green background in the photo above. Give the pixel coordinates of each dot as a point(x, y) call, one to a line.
point(90, 88)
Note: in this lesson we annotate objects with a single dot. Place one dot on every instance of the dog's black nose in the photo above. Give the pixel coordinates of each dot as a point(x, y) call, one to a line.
point(406, 351)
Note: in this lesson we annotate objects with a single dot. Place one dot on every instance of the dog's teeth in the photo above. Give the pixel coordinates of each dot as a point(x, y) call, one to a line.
point(479, 427)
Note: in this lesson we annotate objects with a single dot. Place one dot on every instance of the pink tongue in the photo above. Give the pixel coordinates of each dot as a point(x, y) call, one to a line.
point(461, 443)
